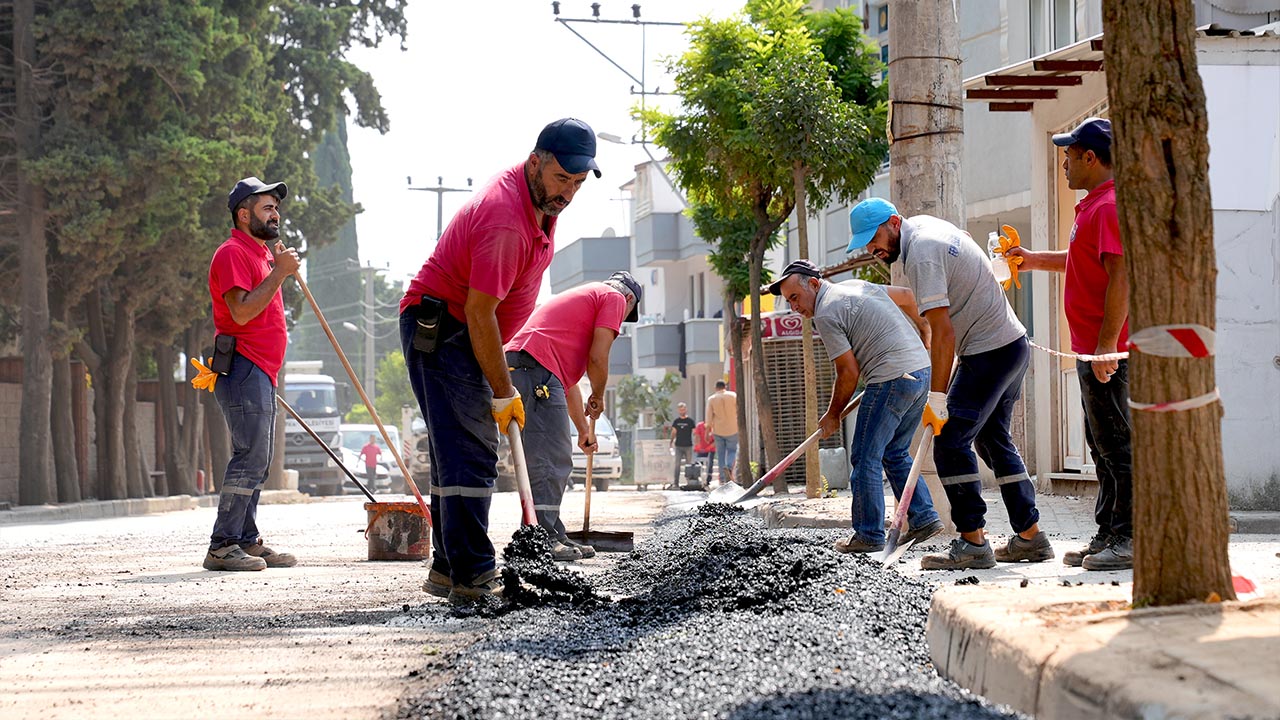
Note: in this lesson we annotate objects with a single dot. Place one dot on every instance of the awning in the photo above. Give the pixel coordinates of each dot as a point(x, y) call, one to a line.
point(1016, 88)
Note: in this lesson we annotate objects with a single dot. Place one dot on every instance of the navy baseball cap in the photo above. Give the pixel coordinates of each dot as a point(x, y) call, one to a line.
point(573, 143)
point(1092, 134)
point(630, 283)
point(797, 267)
point(865, 218)
point(253, 186)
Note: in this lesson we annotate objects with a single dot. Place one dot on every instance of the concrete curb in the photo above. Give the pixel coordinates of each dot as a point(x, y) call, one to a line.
point(816, 513)
point(1255, 522)
point(1074, 652)
point(101, 509)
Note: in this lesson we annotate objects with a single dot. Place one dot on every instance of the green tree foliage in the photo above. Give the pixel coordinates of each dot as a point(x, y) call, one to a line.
point(770, 90)
point(636, 395)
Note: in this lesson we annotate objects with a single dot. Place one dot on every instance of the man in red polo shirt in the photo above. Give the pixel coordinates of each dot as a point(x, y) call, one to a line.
point(244, 283)
point(1097, 308)
point(473, 294)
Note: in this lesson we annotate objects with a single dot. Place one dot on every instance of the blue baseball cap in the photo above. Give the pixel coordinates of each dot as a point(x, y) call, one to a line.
point(253, 186)
point(865, 218)
point(573, 142)
point(1092, 134)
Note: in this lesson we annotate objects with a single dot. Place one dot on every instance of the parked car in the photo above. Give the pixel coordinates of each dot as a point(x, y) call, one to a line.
point(354, 437)
point(608, 459)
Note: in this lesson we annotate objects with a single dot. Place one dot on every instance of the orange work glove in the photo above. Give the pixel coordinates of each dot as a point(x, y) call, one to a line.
point(1010, 239)
point(206, 379)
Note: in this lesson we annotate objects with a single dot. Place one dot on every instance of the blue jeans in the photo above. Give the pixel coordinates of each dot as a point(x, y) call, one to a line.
point(248, 401)
point(887, 419)
point(980, 405)
point(726, 454)
point(463, 443)
point(548, 444)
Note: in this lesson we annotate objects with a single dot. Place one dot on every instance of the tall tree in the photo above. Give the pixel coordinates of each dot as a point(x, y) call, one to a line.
point(1161, 154)
point(728, 146)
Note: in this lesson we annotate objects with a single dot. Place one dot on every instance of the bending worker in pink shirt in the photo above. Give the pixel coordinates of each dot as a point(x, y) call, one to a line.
point(473, 294)
point(568, 336)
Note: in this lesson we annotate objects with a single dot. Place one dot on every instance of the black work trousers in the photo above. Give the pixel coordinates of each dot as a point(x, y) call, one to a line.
point(1108, 431)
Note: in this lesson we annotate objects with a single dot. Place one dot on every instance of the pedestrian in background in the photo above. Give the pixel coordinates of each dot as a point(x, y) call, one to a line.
point(722, 420)
point(867, 336)
point(704, 447)
point(474, 293)
point(566, 337)
point(1096, 300)
point(681, 442)
point(245, 276)
point(371, 454)
point(968, 317)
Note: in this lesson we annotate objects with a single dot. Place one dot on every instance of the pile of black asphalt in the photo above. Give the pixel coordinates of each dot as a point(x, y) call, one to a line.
point(715, 616)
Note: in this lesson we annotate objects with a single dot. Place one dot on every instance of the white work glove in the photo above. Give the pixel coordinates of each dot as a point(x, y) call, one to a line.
point(935, 411)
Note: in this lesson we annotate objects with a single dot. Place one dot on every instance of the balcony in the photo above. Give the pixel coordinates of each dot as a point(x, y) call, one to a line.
point(620, 356)
point(666, 237)
point(658, 345)
point(702, 340)
point(588, 260)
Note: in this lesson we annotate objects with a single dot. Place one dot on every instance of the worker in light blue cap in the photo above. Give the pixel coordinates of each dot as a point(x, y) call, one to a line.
point(968, 317)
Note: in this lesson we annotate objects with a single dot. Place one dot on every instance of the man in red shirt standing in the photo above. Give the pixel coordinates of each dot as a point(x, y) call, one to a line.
point(244, 283)
point(473, 294)
point(566, 337)
point(1097, 308)
point(371, 453)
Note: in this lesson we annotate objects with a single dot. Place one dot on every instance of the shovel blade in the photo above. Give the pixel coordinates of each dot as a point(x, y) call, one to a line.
point(727, 493)
point(891, 555)
point(605, 541)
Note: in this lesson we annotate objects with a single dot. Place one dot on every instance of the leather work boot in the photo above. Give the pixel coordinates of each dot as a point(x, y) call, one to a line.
point(961, 555)
point(437, 583)
point(565, 553)
point(585, 550)
point(232, 557)
point(923, 533)
point(487, 585)
point(272, 558)
point(853, 545)
point(1097, 544)
point(1037, 549)
point(1117, 556)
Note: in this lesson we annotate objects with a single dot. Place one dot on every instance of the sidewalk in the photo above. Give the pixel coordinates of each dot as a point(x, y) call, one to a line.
point(1060, 642)
point(99, 509)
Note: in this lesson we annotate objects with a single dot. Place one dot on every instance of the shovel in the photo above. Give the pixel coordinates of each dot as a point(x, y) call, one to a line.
point(527, 515)
point(892, 551)
point(600, 540)
point(729, 492)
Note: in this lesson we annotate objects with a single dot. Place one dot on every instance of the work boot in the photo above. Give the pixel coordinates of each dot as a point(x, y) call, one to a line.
point(961, 555)
point(1037, 549)
point(437, 583)
point(485, 586)
point(585, 550)
point(854, 545)
point(1097, 544)
point(1117, 556)
point(920, 534)
point(565, 553)
point(272, 558)
point(232, 557)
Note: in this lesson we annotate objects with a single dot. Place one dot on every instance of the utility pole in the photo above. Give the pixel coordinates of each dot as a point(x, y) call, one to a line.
point(926, 131)
point(440, 190)
point(370, 365)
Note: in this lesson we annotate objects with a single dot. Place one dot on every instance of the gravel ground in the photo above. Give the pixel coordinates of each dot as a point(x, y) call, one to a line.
point(714, 617)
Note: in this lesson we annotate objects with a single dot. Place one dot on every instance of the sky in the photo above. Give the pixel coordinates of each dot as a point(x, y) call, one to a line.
point(476, 84)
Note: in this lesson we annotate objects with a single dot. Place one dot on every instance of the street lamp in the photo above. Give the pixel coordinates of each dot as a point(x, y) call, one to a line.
point(439, 190)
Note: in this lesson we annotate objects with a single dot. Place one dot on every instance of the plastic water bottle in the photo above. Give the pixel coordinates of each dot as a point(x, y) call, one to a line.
point(999, 265)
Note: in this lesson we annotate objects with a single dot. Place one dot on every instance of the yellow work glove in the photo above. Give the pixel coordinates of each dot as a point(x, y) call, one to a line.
point(206, 379)
point(507, 409)
point(935, 412)
point(1010, 239)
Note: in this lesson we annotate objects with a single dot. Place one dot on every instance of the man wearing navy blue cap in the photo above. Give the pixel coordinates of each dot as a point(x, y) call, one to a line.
point(968, 317)
point(471, 296)
point(1096, 301)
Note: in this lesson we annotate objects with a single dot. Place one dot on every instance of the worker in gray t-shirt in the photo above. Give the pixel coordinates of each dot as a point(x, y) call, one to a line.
point(867, 336)
point(972, 325)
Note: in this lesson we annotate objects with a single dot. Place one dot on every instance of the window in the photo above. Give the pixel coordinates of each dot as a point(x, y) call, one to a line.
point(1053, 25)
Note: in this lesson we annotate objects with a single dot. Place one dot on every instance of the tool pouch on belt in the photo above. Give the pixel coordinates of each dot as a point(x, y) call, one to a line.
point(224, 348)
point(431, 317)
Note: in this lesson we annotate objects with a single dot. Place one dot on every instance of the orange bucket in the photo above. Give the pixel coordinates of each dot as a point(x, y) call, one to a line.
point(397, 531)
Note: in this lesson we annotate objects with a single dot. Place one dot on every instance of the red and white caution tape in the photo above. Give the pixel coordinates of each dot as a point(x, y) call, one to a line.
point(1178, 405)
point(1188, 340)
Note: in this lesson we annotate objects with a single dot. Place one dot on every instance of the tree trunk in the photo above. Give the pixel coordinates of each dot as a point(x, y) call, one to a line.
point(137, 468)
point(764, 399)
point(741, 465)
point(219, 440)
point(108, 368)
point(1161, 155)
point(35, 464)
point(63, 432)
point(812, 469)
